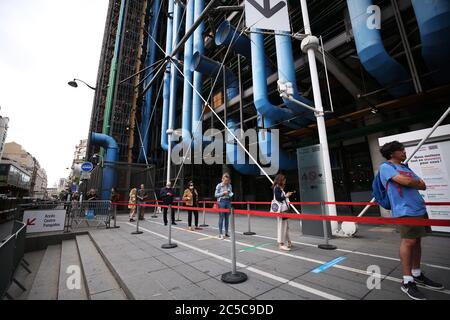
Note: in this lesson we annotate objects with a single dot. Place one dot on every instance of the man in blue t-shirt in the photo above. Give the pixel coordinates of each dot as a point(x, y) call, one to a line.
point(403, 187)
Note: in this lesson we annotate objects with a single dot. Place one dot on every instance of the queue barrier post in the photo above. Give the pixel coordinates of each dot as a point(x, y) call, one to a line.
point(249, 232)
point(154, 216)
point(326, 245)
point(137, 221)
point(204, 225)
point(115, 217)
point(178, 213)
point(233, 277)
point(170, 244)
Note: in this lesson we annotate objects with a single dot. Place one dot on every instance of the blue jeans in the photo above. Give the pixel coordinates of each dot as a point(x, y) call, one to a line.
point(224, 217)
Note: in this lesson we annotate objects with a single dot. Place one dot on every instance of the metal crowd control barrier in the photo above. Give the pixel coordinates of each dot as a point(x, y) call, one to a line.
point(97, 212)
point(170, 245)
point(233, 277)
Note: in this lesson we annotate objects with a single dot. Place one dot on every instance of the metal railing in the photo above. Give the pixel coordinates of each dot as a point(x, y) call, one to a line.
point(12, 251)
point(89, 213)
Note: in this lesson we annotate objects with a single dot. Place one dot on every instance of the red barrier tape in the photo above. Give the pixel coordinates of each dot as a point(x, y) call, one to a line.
point(365, 220)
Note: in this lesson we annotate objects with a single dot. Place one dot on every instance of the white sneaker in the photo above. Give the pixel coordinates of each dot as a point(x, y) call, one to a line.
point(221, 237)
point(285, 248)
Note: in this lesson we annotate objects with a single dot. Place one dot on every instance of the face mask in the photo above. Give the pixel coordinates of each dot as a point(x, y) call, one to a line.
point(192, 188)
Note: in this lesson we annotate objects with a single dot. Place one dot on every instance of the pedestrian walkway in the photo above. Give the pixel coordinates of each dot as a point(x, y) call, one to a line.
point(193, 270)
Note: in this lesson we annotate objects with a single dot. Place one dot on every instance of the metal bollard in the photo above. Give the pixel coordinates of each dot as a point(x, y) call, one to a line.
point(137, 222)
point(204, 225)
point(178, 213)
point(249, 232)
point(327, 245)
point(115, 217)
point(233, 277)
point(170, 245)
point(154, 211)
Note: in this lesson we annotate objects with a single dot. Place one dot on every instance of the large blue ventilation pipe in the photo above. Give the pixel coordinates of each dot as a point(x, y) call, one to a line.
point(166, 89)
point(286, 73)
point(197, 102)
point(112, 156)
point(227, 35)
point(433, 17)
point(374, 57)
point(260, 92)
point(187, 90)
point(212, 68)
point(150, 60)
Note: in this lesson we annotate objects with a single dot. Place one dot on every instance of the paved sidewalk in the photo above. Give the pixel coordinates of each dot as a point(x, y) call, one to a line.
point(193, 269)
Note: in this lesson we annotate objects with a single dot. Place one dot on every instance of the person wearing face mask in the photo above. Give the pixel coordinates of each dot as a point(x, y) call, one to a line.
point(167, 194)
point(224, 194)
point(190, 197)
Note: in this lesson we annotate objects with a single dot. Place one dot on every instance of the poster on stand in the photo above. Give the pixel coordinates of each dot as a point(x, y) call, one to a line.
point(431, 164)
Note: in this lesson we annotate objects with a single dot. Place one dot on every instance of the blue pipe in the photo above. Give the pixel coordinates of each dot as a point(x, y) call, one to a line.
point(433, 18)
point(241, 44)
point(286, 67)
point(205, 65)
point(150, 60)
point(260, 93)
point(237, 157)
point(211, 68)
point(166, 89)
point(374, 58)
point(112, 156)
point(188, 76)
point(286, 73)
point(197, 102)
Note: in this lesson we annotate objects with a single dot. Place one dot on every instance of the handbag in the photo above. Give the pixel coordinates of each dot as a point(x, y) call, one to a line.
point(277, 206)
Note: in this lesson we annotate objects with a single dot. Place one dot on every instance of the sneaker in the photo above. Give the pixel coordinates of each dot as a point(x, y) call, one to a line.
point(227, 235)
point(412, 291)
point(131, 220)
point(221, 237)
point(285, 248)
point(422, 280)
point(174, 224)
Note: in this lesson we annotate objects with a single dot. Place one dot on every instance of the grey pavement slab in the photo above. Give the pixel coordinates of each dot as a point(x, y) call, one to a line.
point(222, 290)
point(70, 263)
point(211, 267)
point(98, 277)
point(45, 285)
point(278, 294)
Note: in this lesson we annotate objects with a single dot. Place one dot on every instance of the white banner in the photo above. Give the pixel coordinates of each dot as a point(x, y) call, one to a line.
point(44, 220)
point(431, 164)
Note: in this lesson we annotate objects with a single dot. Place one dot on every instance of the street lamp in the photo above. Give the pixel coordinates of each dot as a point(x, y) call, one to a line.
point(74, 84)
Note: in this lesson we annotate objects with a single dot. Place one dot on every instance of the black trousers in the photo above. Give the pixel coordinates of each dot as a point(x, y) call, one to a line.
point(190, 213)
point(165, 215)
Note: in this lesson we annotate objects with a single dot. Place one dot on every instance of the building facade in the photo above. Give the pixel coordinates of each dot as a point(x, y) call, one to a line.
point(403, 88)
point(3, 131)
point(26, 176)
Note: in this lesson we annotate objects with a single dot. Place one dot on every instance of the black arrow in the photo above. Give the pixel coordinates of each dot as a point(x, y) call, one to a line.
point(267, 11)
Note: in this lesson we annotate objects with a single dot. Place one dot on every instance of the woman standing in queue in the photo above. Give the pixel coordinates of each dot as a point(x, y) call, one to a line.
point(224, 194)
point(190, 197)
point(284, 241)
point(132, 204)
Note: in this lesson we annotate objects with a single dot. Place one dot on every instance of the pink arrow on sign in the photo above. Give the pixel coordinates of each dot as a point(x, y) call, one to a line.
point(31, 222)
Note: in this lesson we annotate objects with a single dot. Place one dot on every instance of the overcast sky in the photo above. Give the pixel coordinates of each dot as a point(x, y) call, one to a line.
point(43, 45)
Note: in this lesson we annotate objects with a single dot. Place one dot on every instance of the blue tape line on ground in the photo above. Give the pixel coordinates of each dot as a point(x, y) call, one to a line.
point(328, 265)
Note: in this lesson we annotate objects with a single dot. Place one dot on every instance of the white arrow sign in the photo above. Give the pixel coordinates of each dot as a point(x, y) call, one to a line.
point(267, 14)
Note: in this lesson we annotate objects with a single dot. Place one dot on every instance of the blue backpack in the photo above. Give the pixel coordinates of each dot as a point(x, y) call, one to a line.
point(380, 192)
